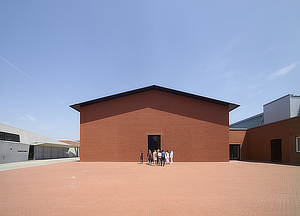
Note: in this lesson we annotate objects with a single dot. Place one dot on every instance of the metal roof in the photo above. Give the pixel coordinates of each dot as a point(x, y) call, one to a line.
point(231, 106)
point(247, 123)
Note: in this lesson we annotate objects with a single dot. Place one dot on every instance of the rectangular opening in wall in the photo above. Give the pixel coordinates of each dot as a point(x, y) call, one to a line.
point(9, 137)
point(31, 153)
point(297, 144)
point(276, 155)
point(12, 137)
point(2, 135)
point(154, 142)
point(234, 152)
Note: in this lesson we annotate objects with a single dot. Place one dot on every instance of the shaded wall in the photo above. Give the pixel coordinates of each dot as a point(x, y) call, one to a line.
point(259, 140)
point(45, 152)
point(239, 137)
point(117, 130)
point(294, 131)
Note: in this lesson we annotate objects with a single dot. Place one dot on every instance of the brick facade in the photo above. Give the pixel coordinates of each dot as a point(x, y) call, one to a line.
point(118, 129)
point(257, 141)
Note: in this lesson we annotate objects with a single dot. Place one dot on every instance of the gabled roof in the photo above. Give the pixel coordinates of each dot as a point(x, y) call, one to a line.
point(154, 87)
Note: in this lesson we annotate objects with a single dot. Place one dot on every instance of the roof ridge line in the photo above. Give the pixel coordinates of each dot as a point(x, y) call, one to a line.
point(153, 87)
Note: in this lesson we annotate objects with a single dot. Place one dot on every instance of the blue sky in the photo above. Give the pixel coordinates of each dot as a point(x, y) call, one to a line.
point(57, 53)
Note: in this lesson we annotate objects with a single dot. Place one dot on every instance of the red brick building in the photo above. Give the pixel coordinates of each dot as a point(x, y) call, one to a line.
point(274, 142)
point(272, 136)
point(118, 127)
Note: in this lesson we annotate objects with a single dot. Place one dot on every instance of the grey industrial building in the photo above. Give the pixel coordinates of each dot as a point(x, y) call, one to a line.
point(18, 145)
point(280, 109)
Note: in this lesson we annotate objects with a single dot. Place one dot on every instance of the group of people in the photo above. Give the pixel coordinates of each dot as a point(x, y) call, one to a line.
point(158, 157)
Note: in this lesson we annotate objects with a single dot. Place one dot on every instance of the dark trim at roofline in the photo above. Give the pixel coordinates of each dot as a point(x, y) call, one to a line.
point(158, 88)
point(238, 129)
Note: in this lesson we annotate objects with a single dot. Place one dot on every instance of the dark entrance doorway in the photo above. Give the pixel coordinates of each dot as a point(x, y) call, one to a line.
point(234, 152)
point(153, 142)
point(276, 155)
point(31, 153)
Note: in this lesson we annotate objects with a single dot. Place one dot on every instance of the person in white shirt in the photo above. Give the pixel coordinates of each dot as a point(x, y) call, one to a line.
point(171, 156)
point(154, 157)
point(167, 157)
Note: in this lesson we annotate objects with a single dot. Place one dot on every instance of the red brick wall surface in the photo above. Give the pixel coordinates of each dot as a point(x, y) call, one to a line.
point(239, 137)
point(118, 129)
point(259, 140)
point(294, 131)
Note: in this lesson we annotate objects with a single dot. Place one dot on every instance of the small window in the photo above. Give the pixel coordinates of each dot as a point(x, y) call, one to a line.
point(9, 137)
point(2, 136)
point(12, 137)
point(297, 144)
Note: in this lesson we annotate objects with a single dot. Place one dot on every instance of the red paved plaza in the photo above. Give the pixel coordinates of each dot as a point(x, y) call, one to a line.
point(77, 188)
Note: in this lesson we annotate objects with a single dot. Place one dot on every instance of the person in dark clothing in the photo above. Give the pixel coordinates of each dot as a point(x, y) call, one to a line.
point(142, 157)
point(163, 158)
point(149, 155)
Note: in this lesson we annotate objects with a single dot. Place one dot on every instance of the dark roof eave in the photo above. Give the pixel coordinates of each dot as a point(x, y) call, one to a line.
point(76, 107)
point(231, 106)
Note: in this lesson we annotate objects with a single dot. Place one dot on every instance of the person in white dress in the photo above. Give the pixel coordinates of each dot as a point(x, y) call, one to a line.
point(171, 156)
point(167, 157)
point(154, 157)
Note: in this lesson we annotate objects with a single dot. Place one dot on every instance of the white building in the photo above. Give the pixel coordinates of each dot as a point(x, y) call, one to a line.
point(283, 108)
point(19, 145)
